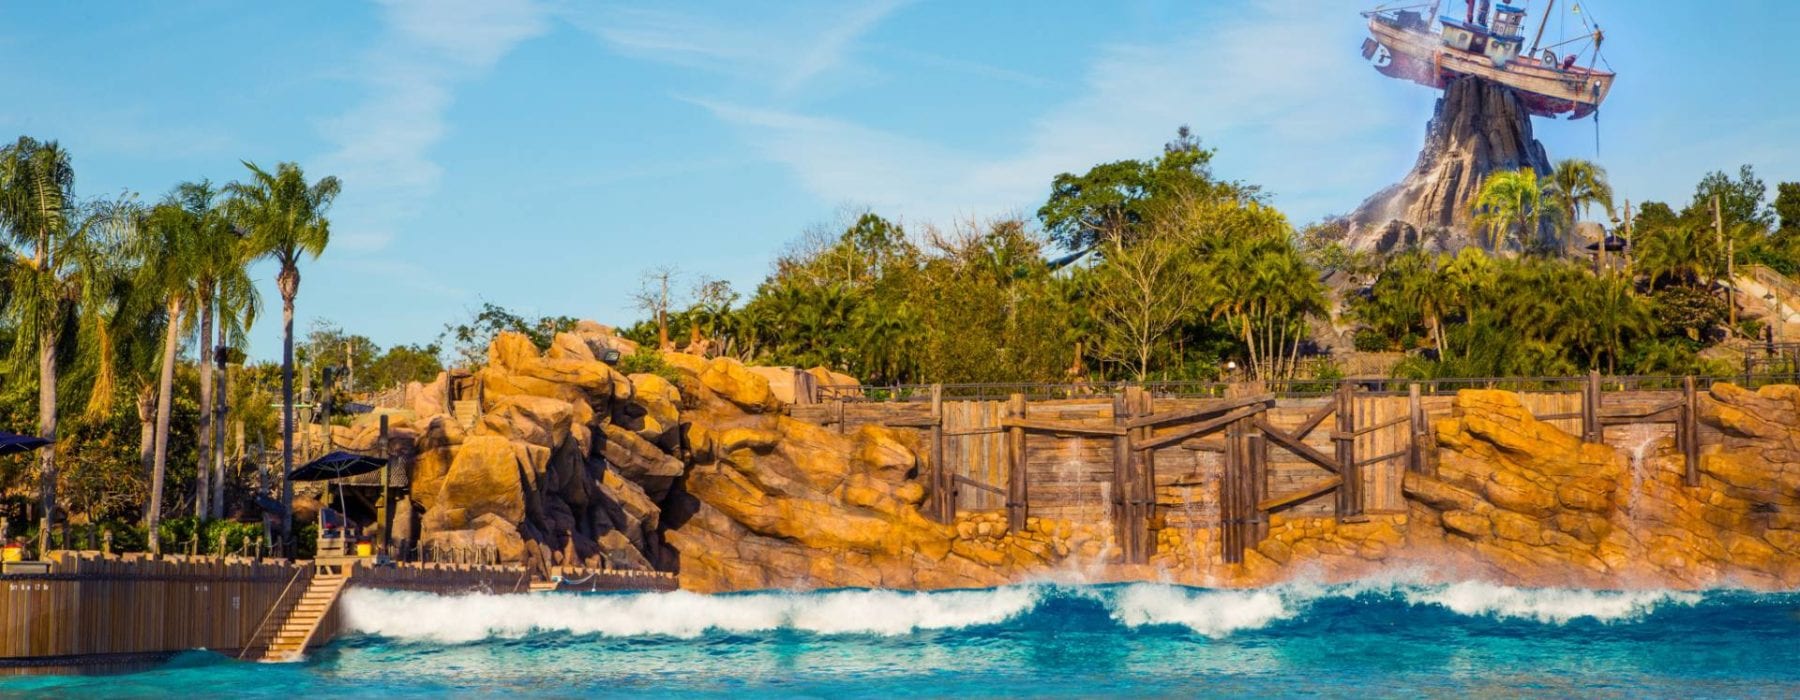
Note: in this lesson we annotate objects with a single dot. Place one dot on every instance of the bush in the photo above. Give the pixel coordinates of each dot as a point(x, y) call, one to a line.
point(1370, 340)
point(647, 361)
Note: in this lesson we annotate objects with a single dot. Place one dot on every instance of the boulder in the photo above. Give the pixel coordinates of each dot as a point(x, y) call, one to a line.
point(729, 379)
point(485, 478)
point(495, 533)
point(536, 420)
point(654, 409)
point(640, 461)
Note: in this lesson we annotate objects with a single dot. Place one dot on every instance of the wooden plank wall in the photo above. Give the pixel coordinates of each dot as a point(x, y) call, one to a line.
point(1070, 477)
point(90, 605)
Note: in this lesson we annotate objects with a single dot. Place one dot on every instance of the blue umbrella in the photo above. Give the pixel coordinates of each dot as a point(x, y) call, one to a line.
point(12, 444)
point(338, 465)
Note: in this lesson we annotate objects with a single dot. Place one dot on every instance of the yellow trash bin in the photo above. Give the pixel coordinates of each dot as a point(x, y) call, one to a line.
point(365, 548)
point(12, 552)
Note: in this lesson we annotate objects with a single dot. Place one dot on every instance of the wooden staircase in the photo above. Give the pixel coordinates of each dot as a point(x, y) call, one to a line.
point(290, 628)
point(466, 412)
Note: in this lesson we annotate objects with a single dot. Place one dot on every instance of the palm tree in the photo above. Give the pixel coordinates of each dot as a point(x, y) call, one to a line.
point(1511, 205)
point(222, 290)
point(285, 217)
point(169, 256)
point(61, 264)
point(1576, 186)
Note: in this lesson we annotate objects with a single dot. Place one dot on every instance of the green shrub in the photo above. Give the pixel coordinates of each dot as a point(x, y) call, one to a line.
point(647, 361)
point(1371, 340)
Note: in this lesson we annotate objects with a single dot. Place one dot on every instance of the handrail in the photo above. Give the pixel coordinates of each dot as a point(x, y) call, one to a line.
point(271, 613)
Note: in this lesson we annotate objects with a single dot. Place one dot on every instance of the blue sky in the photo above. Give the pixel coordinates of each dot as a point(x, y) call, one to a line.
point(541, 155)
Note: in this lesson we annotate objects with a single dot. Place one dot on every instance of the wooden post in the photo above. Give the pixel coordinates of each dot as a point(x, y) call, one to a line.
point(1256, 484)
point(1231, 541)
point(941, 476)
point(106, 543)
point(5, 529)
point(841, 427)
point(43, 549)
point(1415, 440)
point(1591, 430)
point(1690, 429)
point(1121, 467)
point(1016, 483)
point(384, 514)
point(1139, 482)
point(1350, 494)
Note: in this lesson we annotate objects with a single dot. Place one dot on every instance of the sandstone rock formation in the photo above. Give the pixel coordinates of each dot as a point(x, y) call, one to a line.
point(1479, 128)
point(705, 471)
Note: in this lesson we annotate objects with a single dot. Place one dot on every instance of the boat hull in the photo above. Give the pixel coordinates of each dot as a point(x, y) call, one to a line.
point(1546, 90)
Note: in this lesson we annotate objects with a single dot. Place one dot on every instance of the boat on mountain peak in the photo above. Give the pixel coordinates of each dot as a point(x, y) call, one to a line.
point(1415, 42)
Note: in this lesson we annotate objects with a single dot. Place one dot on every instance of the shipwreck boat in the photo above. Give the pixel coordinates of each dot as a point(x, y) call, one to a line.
point(1416, 43)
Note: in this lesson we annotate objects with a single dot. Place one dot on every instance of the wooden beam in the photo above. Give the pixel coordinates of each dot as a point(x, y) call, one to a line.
point(1196, 429)
point(1017, 488)
point(1365, 430)
point(1312, 421)
point(990, 488)
point(1281, 503)
point(946, 506)
point(1157, 419)
point(1396, 454)
point(1305, 451)
point(1217, 446)
point(1066, 427)
point(974, 431)
point(1638, 420)
point(1690, 426)
point(913, 423)
point(1631, 412)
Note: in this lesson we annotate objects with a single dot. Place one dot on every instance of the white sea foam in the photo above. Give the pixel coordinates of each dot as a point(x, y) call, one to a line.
point(1546, 605)
point(454, 619)
point(1214, 613)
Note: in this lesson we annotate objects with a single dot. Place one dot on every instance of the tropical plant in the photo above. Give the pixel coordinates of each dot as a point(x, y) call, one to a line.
point(170, 250)
point(1577, 186)
point(285, 218)
point(60, 275)
point(1512, 207)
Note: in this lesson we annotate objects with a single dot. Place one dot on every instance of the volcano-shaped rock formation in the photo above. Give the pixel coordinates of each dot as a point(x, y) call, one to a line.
point(1479, 127)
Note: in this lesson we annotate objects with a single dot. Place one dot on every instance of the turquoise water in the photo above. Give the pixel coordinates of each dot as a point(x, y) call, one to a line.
point(1132, 640)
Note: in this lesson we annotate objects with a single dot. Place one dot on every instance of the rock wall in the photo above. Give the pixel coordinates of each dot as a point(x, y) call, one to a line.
point(708, 475)
point(1479, 127)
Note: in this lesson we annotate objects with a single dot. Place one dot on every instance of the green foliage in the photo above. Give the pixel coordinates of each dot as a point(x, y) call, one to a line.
point(1787, 206)
point(649, 361)
point(1740, 200)
point(1512, 208)
point(469, 340)
point(1115, 200)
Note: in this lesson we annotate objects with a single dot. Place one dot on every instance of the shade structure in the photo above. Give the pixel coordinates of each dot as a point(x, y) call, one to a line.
point(338, 465)
point(1614, 244)
point(13, 443)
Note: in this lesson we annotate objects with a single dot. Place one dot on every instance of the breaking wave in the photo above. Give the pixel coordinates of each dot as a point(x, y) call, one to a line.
point(679, 614)
point(1212, 613)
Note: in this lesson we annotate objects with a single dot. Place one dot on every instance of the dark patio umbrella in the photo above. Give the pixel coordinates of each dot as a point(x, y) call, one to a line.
point(12, 444)
point(1614, 244)
point(338, 465)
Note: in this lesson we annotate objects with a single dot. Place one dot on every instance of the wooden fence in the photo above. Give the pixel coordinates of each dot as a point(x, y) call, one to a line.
point(89, 609)
point(1225, 457)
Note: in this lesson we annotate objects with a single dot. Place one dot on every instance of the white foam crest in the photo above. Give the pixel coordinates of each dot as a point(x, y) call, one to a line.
point(1545, 605)
point(456, 619)
point(1214, 613)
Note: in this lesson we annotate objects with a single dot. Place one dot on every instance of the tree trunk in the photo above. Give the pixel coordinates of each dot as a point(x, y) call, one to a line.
point(47, 422)
point(219, 408)
point(165, 389)
point(203, 472)
point(289, 286)
point(146, 410)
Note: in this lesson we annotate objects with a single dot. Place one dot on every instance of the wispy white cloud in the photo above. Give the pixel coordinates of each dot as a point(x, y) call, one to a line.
point(782, 47)
point(383, 144)
point(1274, 85)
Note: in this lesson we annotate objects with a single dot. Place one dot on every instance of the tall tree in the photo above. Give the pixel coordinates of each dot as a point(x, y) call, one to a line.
point(169, 252)
point(1577, 186)
point(59, 265)
point(1117, 200)
point(285, 217)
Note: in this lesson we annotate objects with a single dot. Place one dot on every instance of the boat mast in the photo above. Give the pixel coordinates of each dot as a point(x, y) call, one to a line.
point(1548, 9)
